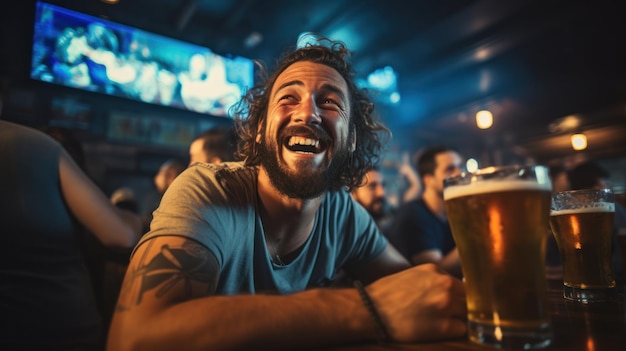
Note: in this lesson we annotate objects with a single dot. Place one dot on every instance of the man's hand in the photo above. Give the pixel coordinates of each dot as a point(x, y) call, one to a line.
point(421, 303)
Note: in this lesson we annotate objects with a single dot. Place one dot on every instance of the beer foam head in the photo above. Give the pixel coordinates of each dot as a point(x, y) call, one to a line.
point(587, 208)
point(492, 186)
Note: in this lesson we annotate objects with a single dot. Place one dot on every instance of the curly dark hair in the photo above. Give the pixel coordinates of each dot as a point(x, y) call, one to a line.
point(250, 113)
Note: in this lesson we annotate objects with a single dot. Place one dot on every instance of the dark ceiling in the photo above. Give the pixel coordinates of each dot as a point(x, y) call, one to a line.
point(532, 63)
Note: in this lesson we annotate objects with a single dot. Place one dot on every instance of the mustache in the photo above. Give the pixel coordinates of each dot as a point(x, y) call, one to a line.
point(307, 131)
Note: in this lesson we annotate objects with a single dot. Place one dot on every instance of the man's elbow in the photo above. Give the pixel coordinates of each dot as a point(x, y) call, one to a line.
point(122, 338)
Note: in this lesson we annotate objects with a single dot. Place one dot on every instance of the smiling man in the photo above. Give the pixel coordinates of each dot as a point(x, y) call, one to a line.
point(241, 255)
point(420, 229)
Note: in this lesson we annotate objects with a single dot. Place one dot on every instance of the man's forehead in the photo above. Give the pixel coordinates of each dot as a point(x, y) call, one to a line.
point(196, 145)
point(448, 157)
point(373, 174)
point(373, 177)
point(310, 71)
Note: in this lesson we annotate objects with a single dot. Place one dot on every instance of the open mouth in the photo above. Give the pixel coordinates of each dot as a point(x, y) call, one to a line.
point(304, 145)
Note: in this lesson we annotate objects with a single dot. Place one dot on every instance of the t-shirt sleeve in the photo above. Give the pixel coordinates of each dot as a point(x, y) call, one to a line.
point(203, 206)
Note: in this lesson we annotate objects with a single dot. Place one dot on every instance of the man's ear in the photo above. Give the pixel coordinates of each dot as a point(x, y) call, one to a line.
point(426, 179)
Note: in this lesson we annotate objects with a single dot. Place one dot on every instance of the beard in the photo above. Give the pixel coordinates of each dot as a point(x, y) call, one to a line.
point(307, 182)
point(377, 209)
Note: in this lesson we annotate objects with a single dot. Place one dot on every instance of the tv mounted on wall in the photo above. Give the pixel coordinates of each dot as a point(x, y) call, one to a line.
point(80, 51)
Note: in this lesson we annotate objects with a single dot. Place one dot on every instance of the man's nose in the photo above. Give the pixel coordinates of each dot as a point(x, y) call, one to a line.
point(308, 112)
point(380, 191)
point(457, 170)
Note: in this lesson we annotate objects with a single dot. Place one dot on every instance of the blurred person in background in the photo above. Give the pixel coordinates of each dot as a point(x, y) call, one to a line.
point(69, 142)
point(46, 297)
point(168, 171)
point(559, 178)
point(420, 227)
point(413, 189)
point(97, 256)
point(405, 183)
point(165, 176)
point(117, 261)
point(125, 198)
point(371, 195)
point(215, 145)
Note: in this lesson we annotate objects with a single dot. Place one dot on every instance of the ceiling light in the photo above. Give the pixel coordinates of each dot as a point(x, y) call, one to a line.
point(579, 141)
point(484, 119)
point(383, 79)
point(253, 40)
point(565, 124)
point(394, 97)
point(471, 165)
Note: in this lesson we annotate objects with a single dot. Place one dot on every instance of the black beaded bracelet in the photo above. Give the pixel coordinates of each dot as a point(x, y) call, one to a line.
point(382, 336)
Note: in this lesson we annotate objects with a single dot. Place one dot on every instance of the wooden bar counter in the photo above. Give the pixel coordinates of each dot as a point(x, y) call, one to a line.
point(599, 326)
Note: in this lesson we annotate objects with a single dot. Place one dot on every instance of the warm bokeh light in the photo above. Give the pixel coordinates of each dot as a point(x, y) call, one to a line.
point(579, 141)
point(484, 119)
point(471, 165)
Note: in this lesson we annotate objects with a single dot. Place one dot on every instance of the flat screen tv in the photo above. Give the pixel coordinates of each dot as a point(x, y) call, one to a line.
point(80, 51)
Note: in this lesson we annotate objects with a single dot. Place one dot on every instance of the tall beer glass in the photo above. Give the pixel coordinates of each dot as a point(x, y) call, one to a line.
point(582, 224)
point(499, 217)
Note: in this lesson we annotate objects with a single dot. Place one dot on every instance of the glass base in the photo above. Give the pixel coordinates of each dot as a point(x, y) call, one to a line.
point(523, 338)
point(588, 295)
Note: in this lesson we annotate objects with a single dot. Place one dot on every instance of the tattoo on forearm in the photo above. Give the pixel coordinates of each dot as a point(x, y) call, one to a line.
point(187, 265)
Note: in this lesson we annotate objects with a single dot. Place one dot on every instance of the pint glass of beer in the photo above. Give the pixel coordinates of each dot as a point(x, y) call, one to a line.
point(499, 217)
point(582, 224)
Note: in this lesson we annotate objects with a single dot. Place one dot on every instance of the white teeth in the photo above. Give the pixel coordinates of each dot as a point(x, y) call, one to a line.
point(304, 141)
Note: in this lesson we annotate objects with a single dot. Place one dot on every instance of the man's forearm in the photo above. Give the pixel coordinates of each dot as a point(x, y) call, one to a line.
point(314, 318)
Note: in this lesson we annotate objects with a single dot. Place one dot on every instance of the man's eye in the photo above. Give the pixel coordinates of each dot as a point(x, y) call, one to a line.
point(332, 104)
point(286, 97)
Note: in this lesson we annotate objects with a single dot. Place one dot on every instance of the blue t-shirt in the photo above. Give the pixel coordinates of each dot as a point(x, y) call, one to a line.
point(415, 229)
point(217, 206)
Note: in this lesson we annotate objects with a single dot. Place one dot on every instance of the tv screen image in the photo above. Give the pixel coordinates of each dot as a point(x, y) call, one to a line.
point(77, 50)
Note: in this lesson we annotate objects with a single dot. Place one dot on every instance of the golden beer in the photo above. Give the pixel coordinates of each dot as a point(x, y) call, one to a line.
point(584, 238)
point(499, 228)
